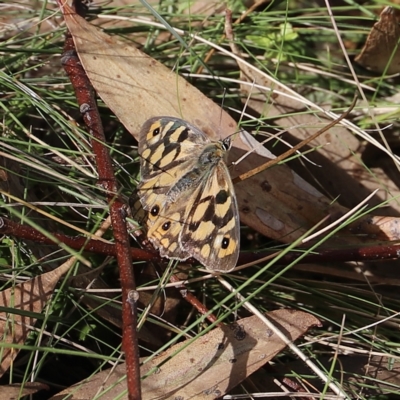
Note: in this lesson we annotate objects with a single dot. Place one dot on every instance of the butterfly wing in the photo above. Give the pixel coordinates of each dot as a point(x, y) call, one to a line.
point(167, 146)
point(204, 224)
point(211, 229)
point(164, 228)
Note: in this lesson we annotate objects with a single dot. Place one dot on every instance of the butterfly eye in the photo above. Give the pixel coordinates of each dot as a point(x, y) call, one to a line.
point(225, 243)
point(154, 211)
point(166, 226)
point(227, 143)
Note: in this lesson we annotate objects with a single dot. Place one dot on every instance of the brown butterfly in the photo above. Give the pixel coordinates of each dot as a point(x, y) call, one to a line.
point(188, 194)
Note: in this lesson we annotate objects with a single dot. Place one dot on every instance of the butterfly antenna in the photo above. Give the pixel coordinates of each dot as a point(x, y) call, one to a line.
point(247, 103)
point(222, 110)
point(242, 114)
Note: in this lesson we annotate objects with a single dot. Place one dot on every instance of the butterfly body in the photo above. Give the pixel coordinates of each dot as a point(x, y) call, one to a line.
point(210, 157)
point(187, 191)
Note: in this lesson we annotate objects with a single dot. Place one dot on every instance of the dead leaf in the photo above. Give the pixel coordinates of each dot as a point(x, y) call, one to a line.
point(127, 79)
point(279, 202)
point(28, 297)
point(384, 371)
point(373, 376)
point(381, 52)
point(379, 228)
point(19, 390)
point(12, 23)
point(337, 168)
point(207, 8)
point(208, 367)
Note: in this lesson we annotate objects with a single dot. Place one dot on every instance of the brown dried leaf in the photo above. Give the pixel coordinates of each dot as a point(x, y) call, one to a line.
point(207, 368)
point(16, 391)
point(373, 376)
point(384, 371)
point(278, 202)
point(381, 46)
point(338, 169)
point(136, 87)
point(31, 297)
point(207, 8)
point(128, 79)
point(378, 228)
point(11, 182)
point(13, 22)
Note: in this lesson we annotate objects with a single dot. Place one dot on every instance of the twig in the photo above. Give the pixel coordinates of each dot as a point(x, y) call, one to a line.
point(8, 227)
point(88, 107)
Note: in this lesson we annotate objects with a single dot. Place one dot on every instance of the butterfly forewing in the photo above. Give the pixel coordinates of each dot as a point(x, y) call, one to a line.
point(187, 190)
point(163, 157)
point(168, 145)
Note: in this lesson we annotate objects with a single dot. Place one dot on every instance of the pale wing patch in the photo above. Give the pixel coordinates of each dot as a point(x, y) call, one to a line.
point(156, 155)
point(168, 159)
point(204, 231)
point(200, 211)
point(146, 154)
point(205, 251)
point(166, 240)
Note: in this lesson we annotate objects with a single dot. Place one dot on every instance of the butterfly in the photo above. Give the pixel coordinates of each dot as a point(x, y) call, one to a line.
point(186, 189)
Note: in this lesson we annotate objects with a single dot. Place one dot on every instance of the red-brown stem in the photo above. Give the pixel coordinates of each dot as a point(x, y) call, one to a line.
point(383, 252)
point(193, 300)
point(91, 116)
point(8, 227)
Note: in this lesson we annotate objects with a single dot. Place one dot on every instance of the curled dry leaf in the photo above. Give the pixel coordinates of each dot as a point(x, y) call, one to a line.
point(381, 51)
point(26, 298)
point(208, 367)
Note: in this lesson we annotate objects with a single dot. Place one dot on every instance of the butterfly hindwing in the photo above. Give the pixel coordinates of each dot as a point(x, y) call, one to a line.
point(211, 230)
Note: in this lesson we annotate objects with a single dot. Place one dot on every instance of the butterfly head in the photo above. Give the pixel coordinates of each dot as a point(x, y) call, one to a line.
point(227, 143)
